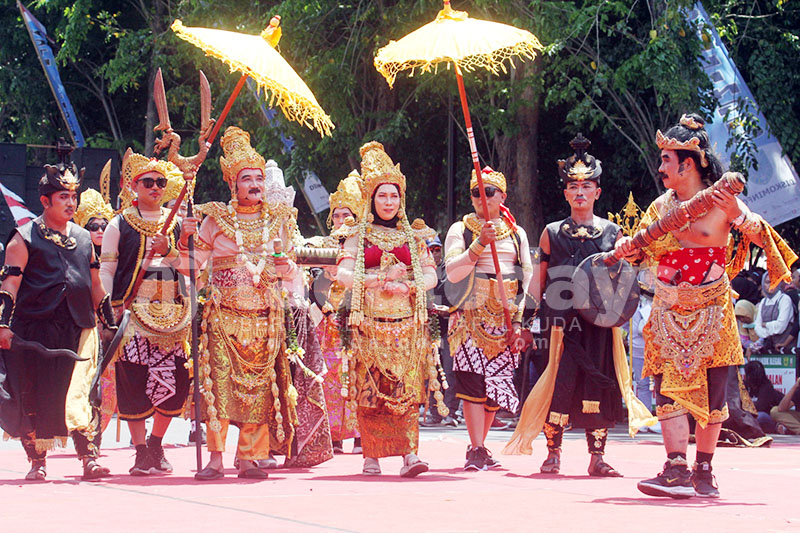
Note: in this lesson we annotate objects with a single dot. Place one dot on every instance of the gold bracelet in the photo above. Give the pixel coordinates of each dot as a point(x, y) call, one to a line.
point(476, 247)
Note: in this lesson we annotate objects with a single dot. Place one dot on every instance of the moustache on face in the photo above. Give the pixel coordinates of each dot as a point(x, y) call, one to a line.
point(662, 176)
point(254, 190)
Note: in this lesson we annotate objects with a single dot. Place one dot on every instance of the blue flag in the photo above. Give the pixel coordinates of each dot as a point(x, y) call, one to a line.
point(39, 37)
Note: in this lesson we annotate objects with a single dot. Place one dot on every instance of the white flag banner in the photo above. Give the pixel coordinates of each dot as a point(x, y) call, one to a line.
point(315, 192)
point(773, 191)
point(18, 209)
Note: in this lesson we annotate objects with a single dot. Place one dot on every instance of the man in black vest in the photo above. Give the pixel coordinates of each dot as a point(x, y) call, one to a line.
point(50, 289)
point(586, 394)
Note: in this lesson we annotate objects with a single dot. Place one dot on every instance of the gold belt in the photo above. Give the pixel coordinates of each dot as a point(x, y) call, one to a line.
point(688, 297)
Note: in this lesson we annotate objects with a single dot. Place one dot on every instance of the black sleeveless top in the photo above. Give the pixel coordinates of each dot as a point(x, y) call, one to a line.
point(571, 243)
point(55, 274)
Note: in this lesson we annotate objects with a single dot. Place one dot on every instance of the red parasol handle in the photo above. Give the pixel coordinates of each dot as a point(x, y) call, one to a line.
point(474, 150)
point(225, 110)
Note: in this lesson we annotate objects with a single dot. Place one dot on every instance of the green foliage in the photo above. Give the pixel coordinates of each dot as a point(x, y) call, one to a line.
point(614, 69)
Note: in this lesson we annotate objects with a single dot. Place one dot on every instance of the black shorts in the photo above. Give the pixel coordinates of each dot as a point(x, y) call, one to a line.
point(136, 396)
point(471, 387)
point(717, 379)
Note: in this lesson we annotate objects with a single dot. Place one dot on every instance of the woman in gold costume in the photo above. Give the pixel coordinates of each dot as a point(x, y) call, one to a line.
point(345, 202)
point(387, 265)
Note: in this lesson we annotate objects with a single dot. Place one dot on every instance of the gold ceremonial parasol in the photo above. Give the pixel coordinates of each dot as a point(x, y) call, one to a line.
point(469, 44)
point(255, 57)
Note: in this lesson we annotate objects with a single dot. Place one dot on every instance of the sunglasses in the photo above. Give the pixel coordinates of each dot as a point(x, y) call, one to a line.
point(490, 192)
point(94, 226)
point(149, 182)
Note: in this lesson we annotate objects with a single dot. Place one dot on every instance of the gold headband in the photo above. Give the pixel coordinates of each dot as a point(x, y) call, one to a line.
point(239, 154)
point(378, 168)
point(92, 205)
point(347, 195)
point(135, 165)
point(490, 177)
point(692, 145)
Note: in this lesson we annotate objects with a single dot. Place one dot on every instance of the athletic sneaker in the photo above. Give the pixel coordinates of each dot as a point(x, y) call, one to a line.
point(674, 481)
point(475, 459)
point(488, 459)
point(703, 481)
point(143, 464)
point(159, 462)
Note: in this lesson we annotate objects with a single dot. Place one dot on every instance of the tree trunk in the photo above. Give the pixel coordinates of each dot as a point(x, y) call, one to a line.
point(518, 158)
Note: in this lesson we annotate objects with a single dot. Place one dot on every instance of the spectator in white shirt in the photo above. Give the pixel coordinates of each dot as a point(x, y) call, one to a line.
point(774, 314)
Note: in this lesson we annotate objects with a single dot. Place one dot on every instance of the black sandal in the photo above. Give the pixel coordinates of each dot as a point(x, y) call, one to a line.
point(551, 465)
point(93, 471)
point(603, 469)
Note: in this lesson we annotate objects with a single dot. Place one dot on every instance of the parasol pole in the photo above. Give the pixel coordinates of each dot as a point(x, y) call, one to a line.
point(198, 442)
point(474, 150)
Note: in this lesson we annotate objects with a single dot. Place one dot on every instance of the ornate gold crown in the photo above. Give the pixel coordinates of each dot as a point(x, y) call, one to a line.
point(348, 194)
point(580, 171)
point(92, 205)
point(490, 177)
point(174, 186)
point(378, 168)
point(692, 145)
point(239, 154)
point(135, 165)
point(69, 181)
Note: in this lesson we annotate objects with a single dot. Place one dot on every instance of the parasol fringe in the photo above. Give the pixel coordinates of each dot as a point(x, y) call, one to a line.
point(295, 107)
point(493, 61)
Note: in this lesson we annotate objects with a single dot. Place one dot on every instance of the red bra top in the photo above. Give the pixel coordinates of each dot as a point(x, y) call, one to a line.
point(690, 264)
point(373, 254)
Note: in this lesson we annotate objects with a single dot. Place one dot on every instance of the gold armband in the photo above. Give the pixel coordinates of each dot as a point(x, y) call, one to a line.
point(476, 247)
point(751, 224)
point(109, 257)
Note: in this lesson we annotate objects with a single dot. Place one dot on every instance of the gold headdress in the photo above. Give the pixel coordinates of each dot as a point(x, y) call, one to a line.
point(135, 165)
point(490, 177)
point(692, 145)
point(580, 166)
point(348, 194)
point(174, 186)
point(377, 168)
point(239, 154)
point(92, 205)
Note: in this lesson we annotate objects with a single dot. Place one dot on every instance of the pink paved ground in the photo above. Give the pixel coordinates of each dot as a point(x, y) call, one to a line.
point(759, 488)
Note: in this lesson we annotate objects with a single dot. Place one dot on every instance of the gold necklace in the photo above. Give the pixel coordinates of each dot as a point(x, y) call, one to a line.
point(56, 237)
point(475, 225)
point(385, 238)
point(248, 209)
point(148, 228)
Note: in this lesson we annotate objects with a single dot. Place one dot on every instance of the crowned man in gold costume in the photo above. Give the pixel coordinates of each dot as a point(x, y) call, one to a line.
point(387, 265)
point(485, 353)
point(328, 293)
point(150, 366)
point(691, 337)
point(244, 371)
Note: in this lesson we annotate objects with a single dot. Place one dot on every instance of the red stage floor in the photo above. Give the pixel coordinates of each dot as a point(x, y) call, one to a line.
point(759, 493)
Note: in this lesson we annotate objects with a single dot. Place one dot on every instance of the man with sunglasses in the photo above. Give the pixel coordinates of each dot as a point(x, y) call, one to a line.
point(151, 374)
point(485, 353)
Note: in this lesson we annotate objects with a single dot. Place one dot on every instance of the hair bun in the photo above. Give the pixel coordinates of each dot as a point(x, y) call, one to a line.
point(693, 122)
